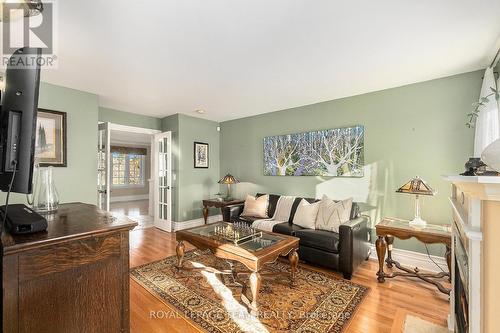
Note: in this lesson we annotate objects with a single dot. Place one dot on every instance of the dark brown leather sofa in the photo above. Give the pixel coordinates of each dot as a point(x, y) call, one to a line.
point(342, 251)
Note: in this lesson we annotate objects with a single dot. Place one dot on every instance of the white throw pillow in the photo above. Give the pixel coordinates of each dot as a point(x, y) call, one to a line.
point(332, 214)
point(256, 207)
point(305, 215)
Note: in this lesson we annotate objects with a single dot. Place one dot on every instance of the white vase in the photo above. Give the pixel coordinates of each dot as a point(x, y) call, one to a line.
point(491, 155)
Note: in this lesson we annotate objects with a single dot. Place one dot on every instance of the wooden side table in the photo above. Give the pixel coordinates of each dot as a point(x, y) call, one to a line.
point(390, 227)
point(218, 204)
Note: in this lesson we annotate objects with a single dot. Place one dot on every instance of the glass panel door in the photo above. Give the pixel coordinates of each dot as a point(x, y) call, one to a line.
point(162, 181)
point(103, 166)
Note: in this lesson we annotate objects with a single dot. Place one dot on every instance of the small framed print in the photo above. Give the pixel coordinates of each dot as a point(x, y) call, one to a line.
point(50, 144)
point(201, 155)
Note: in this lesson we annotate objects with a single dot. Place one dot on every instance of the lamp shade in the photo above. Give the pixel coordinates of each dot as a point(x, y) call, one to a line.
point(416, 186)
point(228, 179)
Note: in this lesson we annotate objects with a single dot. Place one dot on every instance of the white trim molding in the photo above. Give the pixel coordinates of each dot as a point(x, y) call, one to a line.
point(195, 223)
point(412, 259)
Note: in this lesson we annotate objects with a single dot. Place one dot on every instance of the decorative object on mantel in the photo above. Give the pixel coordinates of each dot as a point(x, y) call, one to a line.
point(491, 156)
point(200, 155)
point(228, 180)
point(335, 152)
point(418, 187)
point(473, 167)
point(50, 146)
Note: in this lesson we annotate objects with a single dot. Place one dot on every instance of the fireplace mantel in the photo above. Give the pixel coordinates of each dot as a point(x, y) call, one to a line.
point(476, 213)
point(482, 187)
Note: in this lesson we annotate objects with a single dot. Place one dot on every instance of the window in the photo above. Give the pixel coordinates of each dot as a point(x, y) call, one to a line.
point(128, 169)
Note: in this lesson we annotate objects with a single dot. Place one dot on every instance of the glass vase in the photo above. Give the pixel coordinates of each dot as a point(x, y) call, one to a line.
point(45, 196)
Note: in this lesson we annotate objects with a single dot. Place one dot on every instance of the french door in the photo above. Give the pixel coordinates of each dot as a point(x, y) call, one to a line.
point(162, 179)
point(103, 166)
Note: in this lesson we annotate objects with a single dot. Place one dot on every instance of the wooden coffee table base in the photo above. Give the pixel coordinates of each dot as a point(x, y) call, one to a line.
point(254, 277)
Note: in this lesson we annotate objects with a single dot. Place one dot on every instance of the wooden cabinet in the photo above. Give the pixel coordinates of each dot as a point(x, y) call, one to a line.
point(72, 278)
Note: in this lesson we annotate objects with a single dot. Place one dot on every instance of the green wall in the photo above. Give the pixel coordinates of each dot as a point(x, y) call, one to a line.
point(77, 181)
point(190, 185)
point(417, 129)
point(197, 184)
point(128, 119)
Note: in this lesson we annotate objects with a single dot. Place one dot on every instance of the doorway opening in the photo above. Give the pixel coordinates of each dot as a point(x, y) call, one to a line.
point(134, 174)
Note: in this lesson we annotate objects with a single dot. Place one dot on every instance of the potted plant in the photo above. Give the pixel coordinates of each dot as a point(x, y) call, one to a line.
point(491, 154)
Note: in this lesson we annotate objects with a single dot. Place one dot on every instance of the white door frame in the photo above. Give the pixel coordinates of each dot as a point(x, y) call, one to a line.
point(102, 126)
point(162, 223)
point(141, 130)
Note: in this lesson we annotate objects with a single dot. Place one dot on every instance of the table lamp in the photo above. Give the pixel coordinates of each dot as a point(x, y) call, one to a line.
point(228, 180)
point(418, 187)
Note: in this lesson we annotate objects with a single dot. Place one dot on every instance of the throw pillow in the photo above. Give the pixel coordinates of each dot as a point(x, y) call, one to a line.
point(305, 215)
point(333, 213)
point(256, 207)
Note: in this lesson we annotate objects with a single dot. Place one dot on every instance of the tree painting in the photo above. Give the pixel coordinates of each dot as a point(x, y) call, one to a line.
point(336, 152)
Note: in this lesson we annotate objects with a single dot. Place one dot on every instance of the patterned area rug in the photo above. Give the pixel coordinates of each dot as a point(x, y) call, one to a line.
point(318, 303)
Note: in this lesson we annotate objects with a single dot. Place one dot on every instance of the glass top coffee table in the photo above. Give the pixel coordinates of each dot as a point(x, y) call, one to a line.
point(231, 243)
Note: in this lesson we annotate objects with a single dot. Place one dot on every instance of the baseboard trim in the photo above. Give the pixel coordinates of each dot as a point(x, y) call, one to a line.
point(123, 198)
point(195, 223)
point(412, 259)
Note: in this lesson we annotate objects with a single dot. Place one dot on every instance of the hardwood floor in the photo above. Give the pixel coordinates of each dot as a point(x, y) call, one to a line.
point(375, 314)
point(130, 208)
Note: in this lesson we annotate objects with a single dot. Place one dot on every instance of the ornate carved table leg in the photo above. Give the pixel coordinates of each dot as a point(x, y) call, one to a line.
point(389, 240)
point(448, 260)
point(205, 214)
point(255, 281)
point(179, 250)
point(380, 246)
point(293, 257)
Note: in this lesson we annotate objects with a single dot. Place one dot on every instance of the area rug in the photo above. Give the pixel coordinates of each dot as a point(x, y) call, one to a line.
point(317, 303)
point(417, 325)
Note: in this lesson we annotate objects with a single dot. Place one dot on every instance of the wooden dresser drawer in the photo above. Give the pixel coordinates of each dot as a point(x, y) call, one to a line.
point(66, 256)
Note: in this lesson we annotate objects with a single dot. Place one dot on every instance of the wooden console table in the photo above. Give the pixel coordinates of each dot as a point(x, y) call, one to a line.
point(218, 204)
point(389, 228)
point(74, 277)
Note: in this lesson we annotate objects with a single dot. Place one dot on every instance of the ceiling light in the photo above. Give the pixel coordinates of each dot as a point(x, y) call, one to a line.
point(29, 8)
point(200, 111)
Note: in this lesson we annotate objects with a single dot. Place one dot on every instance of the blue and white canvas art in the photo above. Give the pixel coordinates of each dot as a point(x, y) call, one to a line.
point(335, 152)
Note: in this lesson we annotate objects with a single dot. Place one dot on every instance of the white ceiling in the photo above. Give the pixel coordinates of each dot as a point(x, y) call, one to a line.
point(237, 58)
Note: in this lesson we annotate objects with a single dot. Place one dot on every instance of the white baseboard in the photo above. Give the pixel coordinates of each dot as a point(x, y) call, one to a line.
point(195, 223)
point(123, 198)
point(413, 259)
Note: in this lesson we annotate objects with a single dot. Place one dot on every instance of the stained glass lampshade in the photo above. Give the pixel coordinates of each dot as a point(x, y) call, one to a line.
point(417, 186)
point(228, 180)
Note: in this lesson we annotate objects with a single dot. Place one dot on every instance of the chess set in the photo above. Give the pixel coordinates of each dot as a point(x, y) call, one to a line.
point(237, 232)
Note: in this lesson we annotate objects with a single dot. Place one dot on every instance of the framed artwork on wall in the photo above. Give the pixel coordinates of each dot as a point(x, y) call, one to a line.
point(335, 152)
point(50, 144)
point(201, 155)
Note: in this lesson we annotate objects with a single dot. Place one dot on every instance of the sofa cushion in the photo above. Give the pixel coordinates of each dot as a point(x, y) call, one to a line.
point(332, 213)
point(256, 207)
point(286, 228)
point(319, 239)
point(247, 220)
point(296, 204)
point(273, 202)
point(306, 214)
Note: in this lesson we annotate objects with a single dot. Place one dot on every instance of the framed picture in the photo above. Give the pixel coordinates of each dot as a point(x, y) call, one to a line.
point(201, 155)
point(50, 144)
point(337, 152)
